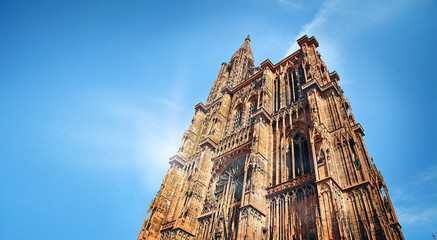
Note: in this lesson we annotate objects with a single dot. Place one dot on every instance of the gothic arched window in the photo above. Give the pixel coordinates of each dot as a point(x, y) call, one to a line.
point(238, 117)
point(261, 99)
point(213, 127)
point(253, 107)
point(181, 147)
point(301, 155)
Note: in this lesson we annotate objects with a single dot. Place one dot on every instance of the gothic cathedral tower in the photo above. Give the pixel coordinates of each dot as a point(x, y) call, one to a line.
point(274, 154)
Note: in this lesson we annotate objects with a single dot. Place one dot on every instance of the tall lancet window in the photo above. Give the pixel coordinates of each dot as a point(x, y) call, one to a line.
point(301, 155)
point(261, 99)
point(252, 109)
point(253, 106)
point(181, 147)
point(238, 116)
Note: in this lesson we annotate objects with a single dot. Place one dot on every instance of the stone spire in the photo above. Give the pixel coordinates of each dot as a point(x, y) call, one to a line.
point(241, 64)
point(244, 51)
point(237, 70)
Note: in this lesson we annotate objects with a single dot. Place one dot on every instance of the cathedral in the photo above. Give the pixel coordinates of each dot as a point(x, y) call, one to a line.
point(274, 153)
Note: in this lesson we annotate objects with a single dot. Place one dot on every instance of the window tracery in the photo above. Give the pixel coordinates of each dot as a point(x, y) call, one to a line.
point(238, 117)
point(301, 155)
point(253, 107)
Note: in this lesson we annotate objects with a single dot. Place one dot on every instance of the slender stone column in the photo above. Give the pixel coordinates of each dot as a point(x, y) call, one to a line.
point(292, 86)
point(284, 159)
point(293, 213)
point(276, 96)
point(292, 146)
point(369, 212)
point(281, 229)
point(299, 146)
point(352, 160)
point(346, 163)
point(277, 151)
point(304, 73)
point(313, 150)
point(328, 214)
point(287, 224)
point(244, 181)
point(272, 156)
point(277, 218)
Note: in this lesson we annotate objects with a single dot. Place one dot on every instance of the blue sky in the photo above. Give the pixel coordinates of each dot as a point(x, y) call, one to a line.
point(95, 96)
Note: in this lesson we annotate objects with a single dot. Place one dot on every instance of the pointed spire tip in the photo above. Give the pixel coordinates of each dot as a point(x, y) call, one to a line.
point(248, 37)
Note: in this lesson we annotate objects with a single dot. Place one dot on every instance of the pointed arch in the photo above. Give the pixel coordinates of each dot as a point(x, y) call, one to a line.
point(302, 154)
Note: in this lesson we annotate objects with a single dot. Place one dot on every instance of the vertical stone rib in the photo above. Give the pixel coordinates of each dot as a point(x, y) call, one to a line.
point(344, 163)
point(292, 85)
point(292, 146)
point(286, 219)
point(313, 151)
point(243, 194)
point(277, 151)
point(284, 160)
point(352, 160)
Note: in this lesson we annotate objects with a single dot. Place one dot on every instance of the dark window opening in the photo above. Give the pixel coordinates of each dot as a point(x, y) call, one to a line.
point(238, 116)
point(301, 156)
point(252, 109)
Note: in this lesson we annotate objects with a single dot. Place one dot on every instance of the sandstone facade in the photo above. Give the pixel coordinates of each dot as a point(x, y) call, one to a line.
point(275, 153)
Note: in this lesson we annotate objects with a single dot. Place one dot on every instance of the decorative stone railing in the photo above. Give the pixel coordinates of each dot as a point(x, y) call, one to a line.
point(194, 156)
point(291, 107)
point(234, 140)
point(291, 183)
point(167, 225)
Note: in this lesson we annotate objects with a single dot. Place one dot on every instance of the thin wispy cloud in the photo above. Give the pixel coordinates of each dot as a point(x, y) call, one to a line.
point(337, 22)
point(430, 175)
point(120, 133)
point(412, 208)
point(312, 26)
point(156, 136)
point(413, 215)
point(320, 27)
